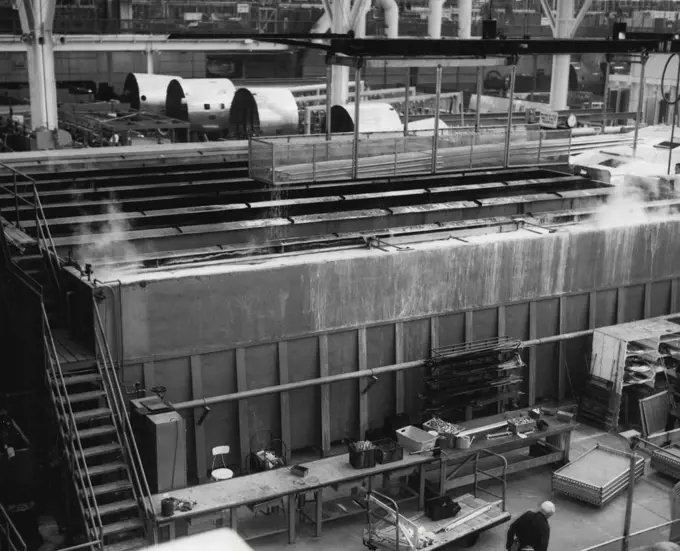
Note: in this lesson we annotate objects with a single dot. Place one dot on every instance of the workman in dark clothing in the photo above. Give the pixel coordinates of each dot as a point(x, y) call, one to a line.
point(531, 530)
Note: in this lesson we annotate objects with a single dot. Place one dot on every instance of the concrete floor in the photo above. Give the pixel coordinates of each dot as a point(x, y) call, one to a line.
point(575, 526)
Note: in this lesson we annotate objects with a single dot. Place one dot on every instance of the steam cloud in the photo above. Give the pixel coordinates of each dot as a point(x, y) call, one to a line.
point(109, 252)
point(642, 182)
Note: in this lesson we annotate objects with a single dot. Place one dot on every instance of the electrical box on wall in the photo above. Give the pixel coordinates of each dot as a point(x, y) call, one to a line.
point(160, 433)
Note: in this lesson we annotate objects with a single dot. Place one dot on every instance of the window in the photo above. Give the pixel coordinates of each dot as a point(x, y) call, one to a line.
point(206, 106)
point(221, 105)
point(667, 145)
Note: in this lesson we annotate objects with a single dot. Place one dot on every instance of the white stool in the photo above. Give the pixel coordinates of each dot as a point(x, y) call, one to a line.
point(219, 470)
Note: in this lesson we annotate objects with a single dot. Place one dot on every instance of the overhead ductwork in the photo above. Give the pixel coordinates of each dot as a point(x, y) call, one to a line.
point(373, 117)
point(263, 112)
point(434, 21)
point(204, 103)
point(147, 92)
point(391, 10)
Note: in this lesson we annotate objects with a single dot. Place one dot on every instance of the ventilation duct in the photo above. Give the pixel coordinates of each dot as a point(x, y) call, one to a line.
point(391, 10)
point(147, 92)
point(204, 103)
point(263, 112)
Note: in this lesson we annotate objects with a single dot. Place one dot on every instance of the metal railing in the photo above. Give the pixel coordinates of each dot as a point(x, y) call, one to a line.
point(300, 158)
point(71, 437)
point(43, 235)
point(502, 478)
point(610, 545)
point(9, 533)
point(107, 370)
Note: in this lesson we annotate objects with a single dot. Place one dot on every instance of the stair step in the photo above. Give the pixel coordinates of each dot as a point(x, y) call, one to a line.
point(82, 378)
point(112, 487)
point(117, 507)
point(101, 450)
point(90, 414)
point(106, 468)
point(83, 396)
point(127, 545)
point(122, 526)
point(96, 431)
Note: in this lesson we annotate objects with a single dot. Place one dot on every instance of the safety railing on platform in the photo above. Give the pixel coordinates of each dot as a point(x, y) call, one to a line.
point(9, 535)
point(121, 422)
point(43, 235)
point(297, 159)
point(636, 540)
point(71, 439)
point(502, 479)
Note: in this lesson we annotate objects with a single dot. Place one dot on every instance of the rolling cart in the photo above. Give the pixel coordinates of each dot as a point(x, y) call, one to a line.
point(391, 531)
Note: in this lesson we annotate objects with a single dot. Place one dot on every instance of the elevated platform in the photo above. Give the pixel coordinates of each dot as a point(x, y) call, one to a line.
point(72, 355)
point(290, 160)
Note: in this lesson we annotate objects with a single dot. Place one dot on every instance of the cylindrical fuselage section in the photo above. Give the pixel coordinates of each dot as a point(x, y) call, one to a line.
point(205, 103)
point(147, 92)
point(264, 111)
point(373, 117)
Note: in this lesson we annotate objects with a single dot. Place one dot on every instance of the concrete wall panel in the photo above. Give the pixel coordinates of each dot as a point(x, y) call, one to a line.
point(660, 298)
point(264, 412)
point(380, 346)
point(218, 372)
point(343, 358)
point(417, 344)
point(633, 307)
point(451, 329)
point(485, 324)
point(547, 324)
point(605, 308)
point(303, 364)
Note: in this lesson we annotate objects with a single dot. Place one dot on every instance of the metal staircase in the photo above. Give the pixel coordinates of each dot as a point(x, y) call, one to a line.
point(90, 411)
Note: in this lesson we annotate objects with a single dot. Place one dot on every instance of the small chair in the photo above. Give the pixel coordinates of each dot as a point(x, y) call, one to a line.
point(219, 470)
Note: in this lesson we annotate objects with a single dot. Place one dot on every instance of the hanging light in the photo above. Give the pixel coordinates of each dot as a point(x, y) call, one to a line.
point(619, 31)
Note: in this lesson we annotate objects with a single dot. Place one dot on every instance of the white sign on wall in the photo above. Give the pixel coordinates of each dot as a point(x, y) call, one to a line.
point(243, 8)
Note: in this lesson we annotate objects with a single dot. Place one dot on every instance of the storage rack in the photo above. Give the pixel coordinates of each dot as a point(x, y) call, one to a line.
point(615, 350)
point(471, 378)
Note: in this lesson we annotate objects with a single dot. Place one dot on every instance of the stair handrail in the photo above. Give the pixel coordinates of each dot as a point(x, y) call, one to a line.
point(11, 534)
point(43, 237)
point(83, 475)
point(128, 435)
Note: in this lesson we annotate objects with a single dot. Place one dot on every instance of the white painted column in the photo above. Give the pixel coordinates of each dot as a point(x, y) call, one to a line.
point(36, 24)
point(559, 84)
point(339, 22)
point(434, 21)
point(464, 18)
point(149, 59)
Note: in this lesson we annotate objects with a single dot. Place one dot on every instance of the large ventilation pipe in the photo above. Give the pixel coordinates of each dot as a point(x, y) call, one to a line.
point(373, 117)
point(391, 10)
point(147, 92)
point(203, 102)
point(434, 21)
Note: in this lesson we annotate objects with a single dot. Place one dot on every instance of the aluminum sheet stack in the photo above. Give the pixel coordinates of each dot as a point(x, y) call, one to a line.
point(598, 476)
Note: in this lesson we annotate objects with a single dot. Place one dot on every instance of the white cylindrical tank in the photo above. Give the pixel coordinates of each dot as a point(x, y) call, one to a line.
point(373, 117)
point(203, 102)
point(266, 111)
point(147, 92)
point(434, 19)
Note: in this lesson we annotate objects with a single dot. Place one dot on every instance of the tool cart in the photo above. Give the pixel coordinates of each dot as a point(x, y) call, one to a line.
point(465, 518)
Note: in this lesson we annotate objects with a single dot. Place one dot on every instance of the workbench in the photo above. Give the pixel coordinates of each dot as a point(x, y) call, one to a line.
point(229, 495)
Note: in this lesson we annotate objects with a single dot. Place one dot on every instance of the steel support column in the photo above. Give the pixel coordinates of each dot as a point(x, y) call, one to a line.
point(340, 24)
point(464, 18)
point(559, 83)
point(36, 24)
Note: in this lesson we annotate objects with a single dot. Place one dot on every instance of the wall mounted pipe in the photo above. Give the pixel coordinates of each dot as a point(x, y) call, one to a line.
point(375, 372)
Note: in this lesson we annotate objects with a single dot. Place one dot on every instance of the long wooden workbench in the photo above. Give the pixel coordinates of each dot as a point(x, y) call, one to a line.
point(229, 495)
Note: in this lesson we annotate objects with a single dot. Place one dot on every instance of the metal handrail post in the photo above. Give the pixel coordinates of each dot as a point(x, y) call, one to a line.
point(435, 137)
point(540, 145)
point(357, 102)
point(513, 75)
point(641, 99)
point(16, 201)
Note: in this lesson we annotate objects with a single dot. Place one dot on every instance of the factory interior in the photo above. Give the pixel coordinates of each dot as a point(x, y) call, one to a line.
point(202, 351)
